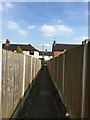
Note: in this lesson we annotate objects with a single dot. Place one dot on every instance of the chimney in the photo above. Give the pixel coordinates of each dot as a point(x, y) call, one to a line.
point(46, 50)
point(54, 42)
point(7, 42)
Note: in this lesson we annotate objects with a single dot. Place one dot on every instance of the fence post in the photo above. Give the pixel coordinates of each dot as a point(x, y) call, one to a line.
point(23, 87)
point(0, 80)
point(63, 74)
point(84, 78)
point(31, 73)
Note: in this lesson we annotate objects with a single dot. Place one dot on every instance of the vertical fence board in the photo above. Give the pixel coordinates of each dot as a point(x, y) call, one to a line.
point(3, 81)
point(88, 85)
point(60, 81)
point(0, 80)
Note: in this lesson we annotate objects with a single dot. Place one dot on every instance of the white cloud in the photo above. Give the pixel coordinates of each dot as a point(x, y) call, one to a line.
point(57, 20)
point(45, 45)
point(73, 12)
point(3, 40)
point(31, 27)
point(8, 5)
point(79, 39)
point(86, 0)
point(63, 28)
point(13, 25)
point(50, 30)
point(22, 32)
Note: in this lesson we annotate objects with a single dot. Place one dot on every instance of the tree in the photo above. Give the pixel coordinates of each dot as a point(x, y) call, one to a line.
point(19, 50)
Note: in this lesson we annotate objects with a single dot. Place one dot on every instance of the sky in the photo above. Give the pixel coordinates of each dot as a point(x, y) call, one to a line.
point(40, 23)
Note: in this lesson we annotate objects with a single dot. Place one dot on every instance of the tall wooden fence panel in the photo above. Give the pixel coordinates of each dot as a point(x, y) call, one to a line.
point(12, 79)
point(67, 72)
point(27, 71)
point(73, 81)
point(88, 85)
point(60, 75)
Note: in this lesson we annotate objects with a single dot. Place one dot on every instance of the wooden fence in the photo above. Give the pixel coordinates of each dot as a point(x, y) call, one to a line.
point(70, 73)
point(18, 72)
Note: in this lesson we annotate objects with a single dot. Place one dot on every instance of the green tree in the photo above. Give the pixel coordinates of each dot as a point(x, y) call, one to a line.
point(19, 50)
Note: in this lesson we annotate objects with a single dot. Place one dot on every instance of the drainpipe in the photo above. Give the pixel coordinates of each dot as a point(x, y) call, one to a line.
point(0, 80)
point(84, 78)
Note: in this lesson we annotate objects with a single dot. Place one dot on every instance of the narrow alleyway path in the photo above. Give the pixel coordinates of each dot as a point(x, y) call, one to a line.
point(43, 100)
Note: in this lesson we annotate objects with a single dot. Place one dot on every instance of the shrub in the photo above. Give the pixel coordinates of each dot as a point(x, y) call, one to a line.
point(19, 50)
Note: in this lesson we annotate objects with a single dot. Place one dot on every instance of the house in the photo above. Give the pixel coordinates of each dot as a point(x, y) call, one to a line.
point(46, 55)
point(27, 49)
point(58, 49)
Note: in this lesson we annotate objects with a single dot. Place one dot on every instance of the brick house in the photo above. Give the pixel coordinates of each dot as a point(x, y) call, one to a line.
point(27, 49)
point(58, 49)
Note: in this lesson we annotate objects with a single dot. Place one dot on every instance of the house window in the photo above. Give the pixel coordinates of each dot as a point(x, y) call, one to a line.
point(31, 52)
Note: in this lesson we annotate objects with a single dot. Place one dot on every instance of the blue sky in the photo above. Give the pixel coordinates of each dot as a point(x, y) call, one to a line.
point(39, 23)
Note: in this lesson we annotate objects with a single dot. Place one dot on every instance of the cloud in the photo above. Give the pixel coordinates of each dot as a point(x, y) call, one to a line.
point(57, 20)
point(86, 0)
point(76, 13)
point(79, 39)
point(13, 25)
point(8, 5)
point(50, 30)
point(22, 32)
point(63, 28)
point(5, 6)
point(31, 27)
point(73, 12)
point(45, 45)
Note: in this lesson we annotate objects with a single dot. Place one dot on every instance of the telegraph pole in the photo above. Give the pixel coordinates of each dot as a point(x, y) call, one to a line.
point(43, 51)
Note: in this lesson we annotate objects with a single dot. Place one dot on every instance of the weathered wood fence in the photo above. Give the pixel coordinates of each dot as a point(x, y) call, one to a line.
point(18, 72)
point(70, 73)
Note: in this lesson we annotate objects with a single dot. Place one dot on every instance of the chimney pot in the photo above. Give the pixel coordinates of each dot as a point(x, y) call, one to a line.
point(54, 42)
point(7, 42)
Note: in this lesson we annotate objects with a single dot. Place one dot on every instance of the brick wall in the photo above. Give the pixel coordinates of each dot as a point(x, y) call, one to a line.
point(57, 53)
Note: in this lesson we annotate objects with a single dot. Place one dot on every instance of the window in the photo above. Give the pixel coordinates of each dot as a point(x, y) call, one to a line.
point(31, 52)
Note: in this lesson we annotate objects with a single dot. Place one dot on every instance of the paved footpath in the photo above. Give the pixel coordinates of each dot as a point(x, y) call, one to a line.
point(43, 100)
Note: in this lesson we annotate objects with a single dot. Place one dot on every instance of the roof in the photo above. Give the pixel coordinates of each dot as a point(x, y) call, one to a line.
point(62, 47)
point(48, 53)
point(24, 47)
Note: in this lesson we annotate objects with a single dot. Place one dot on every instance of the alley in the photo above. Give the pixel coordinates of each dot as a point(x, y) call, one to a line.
point(43, 100)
